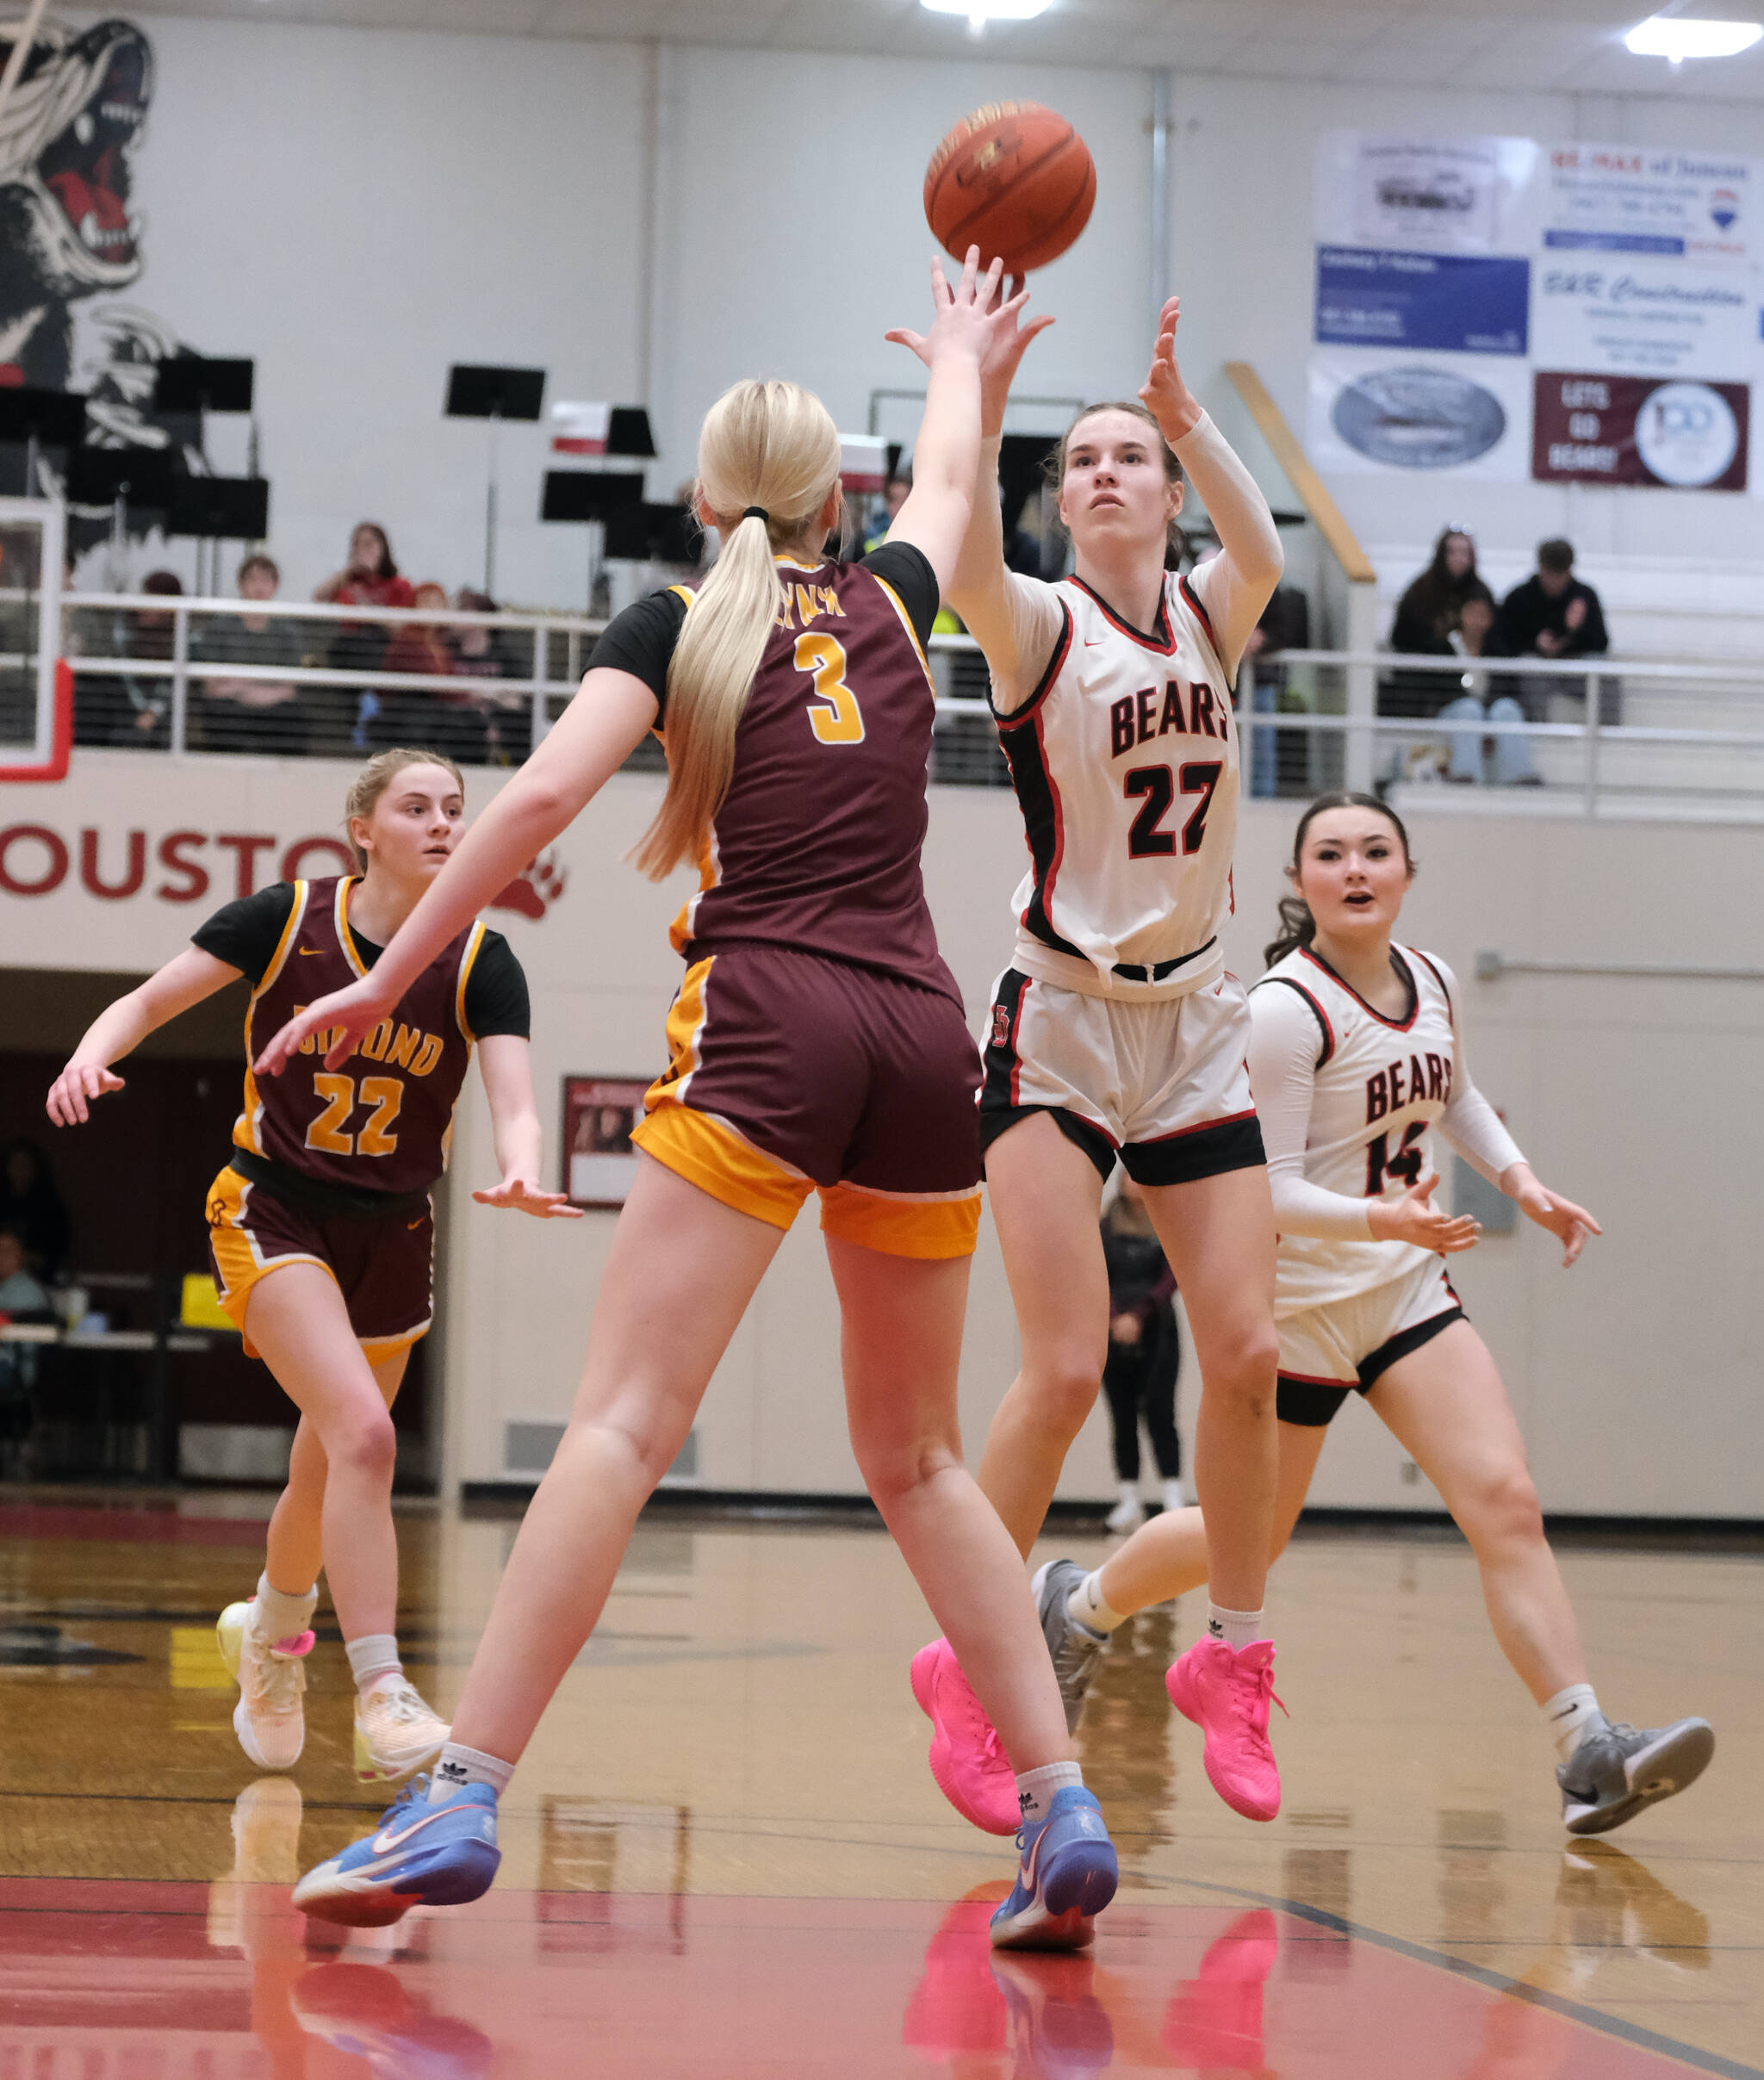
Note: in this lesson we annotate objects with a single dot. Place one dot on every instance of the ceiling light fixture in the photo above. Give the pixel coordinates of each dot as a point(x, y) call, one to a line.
point(1679, 37)
point(980, 12)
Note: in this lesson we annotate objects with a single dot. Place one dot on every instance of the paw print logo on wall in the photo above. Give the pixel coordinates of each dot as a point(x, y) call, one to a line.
point(536, 888)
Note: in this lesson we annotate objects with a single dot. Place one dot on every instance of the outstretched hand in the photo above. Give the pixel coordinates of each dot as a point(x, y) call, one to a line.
point(79, 1084)
point(350, 1015)
point(1571, 1225)
point(966, 321)
point(1164, 392)
point(1414, 1218)
point(522, 1196)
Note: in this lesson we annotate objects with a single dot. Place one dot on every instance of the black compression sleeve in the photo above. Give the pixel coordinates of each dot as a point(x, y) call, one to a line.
point(496, 994)
point(909, 571)
point(246, 933)
point(641, 641)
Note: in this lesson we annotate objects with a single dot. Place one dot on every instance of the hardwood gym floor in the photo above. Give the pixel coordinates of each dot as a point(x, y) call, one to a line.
point(725, 1856)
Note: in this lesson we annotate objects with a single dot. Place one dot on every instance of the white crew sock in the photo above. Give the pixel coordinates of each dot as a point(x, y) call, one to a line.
point(459, 1766)
point(1568, 1715)
point(1238, 1629)
point(280, 1616)
point(1175, 1496)
point(1088, 1606)
point(1035, 1787)
point(372, 1658)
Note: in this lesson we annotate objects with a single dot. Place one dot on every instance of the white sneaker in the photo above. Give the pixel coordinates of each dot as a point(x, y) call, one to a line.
point(1175, 1496)
point(1128, 1514)
point(395, 1733)
point(269, 1717)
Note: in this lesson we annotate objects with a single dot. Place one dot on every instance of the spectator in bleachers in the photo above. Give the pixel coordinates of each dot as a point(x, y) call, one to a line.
point(1482, 701)
point(439, 718)
point(1427, 617)
point(21, 1294)
point(370, 578)
point(141, 715)
point(482, 652)
point(250, 714)
point(32, 1207)
point(1551, 614)
point(894, 496)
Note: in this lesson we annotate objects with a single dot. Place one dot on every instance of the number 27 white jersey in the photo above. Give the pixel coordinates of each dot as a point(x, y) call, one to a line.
point(1125, 762)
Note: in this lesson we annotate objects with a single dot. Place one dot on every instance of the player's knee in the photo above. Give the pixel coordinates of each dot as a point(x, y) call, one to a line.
point(1503, 1507)
point(892, 1471)
point(1061, 1389)
point(367, 1446)
point(1243, 1372)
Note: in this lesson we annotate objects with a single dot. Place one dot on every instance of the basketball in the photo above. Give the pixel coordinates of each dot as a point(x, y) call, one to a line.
point(1013, 179)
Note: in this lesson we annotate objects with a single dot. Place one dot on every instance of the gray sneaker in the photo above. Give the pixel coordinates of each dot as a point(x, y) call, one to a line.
point(1073, 1647)
point(1619, 1769)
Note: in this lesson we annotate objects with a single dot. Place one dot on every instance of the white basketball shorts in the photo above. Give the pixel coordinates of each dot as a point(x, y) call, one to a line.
point(1347, 1345)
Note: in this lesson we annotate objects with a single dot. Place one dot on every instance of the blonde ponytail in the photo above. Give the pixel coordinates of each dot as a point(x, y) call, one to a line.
point(767, 444)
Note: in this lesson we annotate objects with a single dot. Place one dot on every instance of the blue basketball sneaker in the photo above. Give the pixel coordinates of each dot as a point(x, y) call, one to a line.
point(434, 1855)
point(1067, 1876)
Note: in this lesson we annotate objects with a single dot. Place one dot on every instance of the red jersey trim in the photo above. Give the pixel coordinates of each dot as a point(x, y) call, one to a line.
point(1163, 644)
point(1450, 1008)
point(1396, 1025)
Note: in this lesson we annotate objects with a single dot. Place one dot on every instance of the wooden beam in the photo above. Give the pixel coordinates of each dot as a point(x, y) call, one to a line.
point(1313, 495)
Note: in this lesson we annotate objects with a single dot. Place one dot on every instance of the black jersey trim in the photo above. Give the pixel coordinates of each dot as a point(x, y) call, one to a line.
point(1044, 828)
point(1044, 684)
point(1406, 1341)
point(1164, 643)
point(1427, 963)
point(1317, 1012)
point(1396, 1025)
point(320, 1195)
point(1200, 613)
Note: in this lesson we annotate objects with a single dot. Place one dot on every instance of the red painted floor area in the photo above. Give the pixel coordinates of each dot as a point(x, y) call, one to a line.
point(225, 1982)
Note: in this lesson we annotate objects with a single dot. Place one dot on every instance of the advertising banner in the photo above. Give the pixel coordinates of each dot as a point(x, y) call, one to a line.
point(1467, 415)
point(1644, 317)
point(1447, 302)
point(1582, 312)
point(1625, 199)
point(1594, 429)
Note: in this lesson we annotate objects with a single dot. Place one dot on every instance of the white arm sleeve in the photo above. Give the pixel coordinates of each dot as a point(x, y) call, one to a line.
point(1285, 1041)
point(1469, 1123)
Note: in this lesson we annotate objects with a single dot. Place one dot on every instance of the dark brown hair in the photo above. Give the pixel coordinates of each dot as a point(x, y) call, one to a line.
point(1297, 926)
point(388, 568)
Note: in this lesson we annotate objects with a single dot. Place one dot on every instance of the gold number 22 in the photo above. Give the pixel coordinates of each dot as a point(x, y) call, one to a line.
point(841, 721)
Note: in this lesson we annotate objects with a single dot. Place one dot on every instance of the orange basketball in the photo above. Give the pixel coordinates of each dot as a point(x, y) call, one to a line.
point(1015, 179)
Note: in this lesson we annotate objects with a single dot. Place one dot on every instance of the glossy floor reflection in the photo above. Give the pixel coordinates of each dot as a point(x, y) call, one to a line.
point(725, 1857)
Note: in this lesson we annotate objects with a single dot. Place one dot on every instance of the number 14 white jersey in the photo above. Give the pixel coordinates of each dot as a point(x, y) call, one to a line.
point(1379, 1085)
point(1125, 762)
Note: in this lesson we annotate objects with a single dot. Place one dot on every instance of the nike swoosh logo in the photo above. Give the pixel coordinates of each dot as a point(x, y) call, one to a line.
point(384, 1844)
point(306, 951)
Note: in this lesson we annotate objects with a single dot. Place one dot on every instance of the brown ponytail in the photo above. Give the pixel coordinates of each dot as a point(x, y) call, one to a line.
point(1297, 926)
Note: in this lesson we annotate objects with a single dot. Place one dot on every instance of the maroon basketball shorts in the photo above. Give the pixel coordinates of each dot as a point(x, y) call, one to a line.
point(382, 1266)
point(790, 1073)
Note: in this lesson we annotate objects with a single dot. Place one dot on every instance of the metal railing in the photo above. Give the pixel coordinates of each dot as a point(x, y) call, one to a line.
point(178, 676)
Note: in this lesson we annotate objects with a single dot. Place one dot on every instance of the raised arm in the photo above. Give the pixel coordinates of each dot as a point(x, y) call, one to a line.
point(185, 980)
point(505, 1062)
point(611, 713)
point(972, 572)
point(1238, 583)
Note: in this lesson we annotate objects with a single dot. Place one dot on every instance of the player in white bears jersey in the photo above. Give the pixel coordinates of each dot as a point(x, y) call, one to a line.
point(1116, 1030)
point(1356, 1059)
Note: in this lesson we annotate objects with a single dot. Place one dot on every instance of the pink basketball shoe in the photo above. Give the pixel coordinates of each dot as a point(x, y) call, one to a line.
point(971, 1767)
point(1225, 1691)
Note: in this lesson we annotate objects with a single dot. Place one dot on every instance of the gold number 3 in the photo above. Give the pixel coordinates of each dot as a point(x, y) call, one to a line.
point(840, 722)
